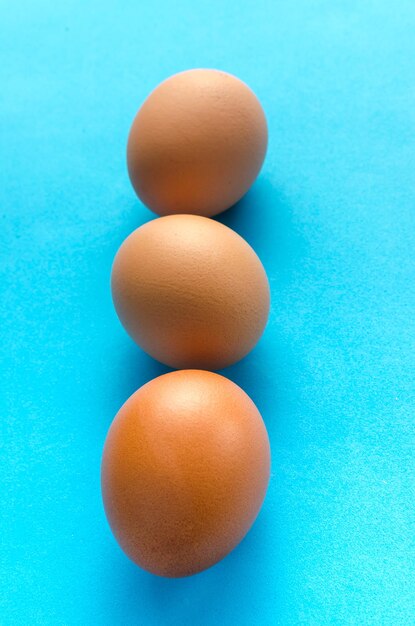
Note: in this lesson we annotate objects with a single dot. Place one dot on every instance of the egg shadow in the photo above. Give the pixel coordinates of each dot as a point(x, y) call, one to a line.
point(259, 378)
point(263, 217)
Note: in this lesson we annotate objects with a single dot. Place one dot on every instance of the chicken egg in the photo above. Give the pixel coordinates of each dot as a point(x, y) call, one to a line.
point(185, 469)
point(190, 291)
point(197, 143)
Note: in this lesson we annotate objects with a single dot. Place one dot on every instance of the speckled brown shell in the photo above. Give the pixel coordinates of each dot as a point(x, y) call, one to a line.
point(197, 143)
point(185, 469)
point(190, 291)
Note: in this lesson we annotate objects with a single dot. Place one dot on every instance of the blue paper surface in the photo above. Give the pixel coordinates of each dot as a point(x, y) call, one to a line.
point(332, 217)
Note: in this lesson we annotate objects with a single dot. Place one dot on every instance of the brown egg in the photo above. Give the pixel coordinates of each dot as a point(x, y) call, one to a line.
point(190, 291)
point(184, 472)
point(197, 143)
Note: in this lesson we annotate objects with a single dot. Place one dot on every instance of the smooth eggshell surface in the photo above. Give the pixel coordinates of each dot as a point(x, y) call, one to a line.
point(190, 291)
point(197, 143)
point(185, 470)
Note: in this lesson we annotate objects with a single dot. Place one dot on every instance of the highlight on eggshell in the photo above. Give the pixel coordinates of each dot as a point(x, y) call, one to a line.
point(191, 292)
point(197, 143)
point(185, 469)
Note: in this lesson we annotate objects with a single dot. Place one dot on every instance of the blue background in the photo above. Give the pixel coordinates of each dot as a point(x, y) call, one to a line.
point(333, 218)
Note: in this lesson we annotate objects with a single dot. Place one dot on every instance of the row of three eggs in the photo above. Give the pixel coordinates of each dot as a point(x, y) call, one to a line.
point(186, 461)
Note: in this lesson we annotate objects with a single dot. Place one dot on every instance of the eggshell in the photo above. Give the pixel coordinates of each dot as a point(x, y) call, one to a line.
point(185, 470)
point(197, 143)
point(190, 291)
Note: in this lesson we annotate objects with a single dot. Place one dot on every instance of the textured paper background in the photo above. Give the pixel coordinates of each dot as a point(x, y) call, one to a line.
point(333, 219)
